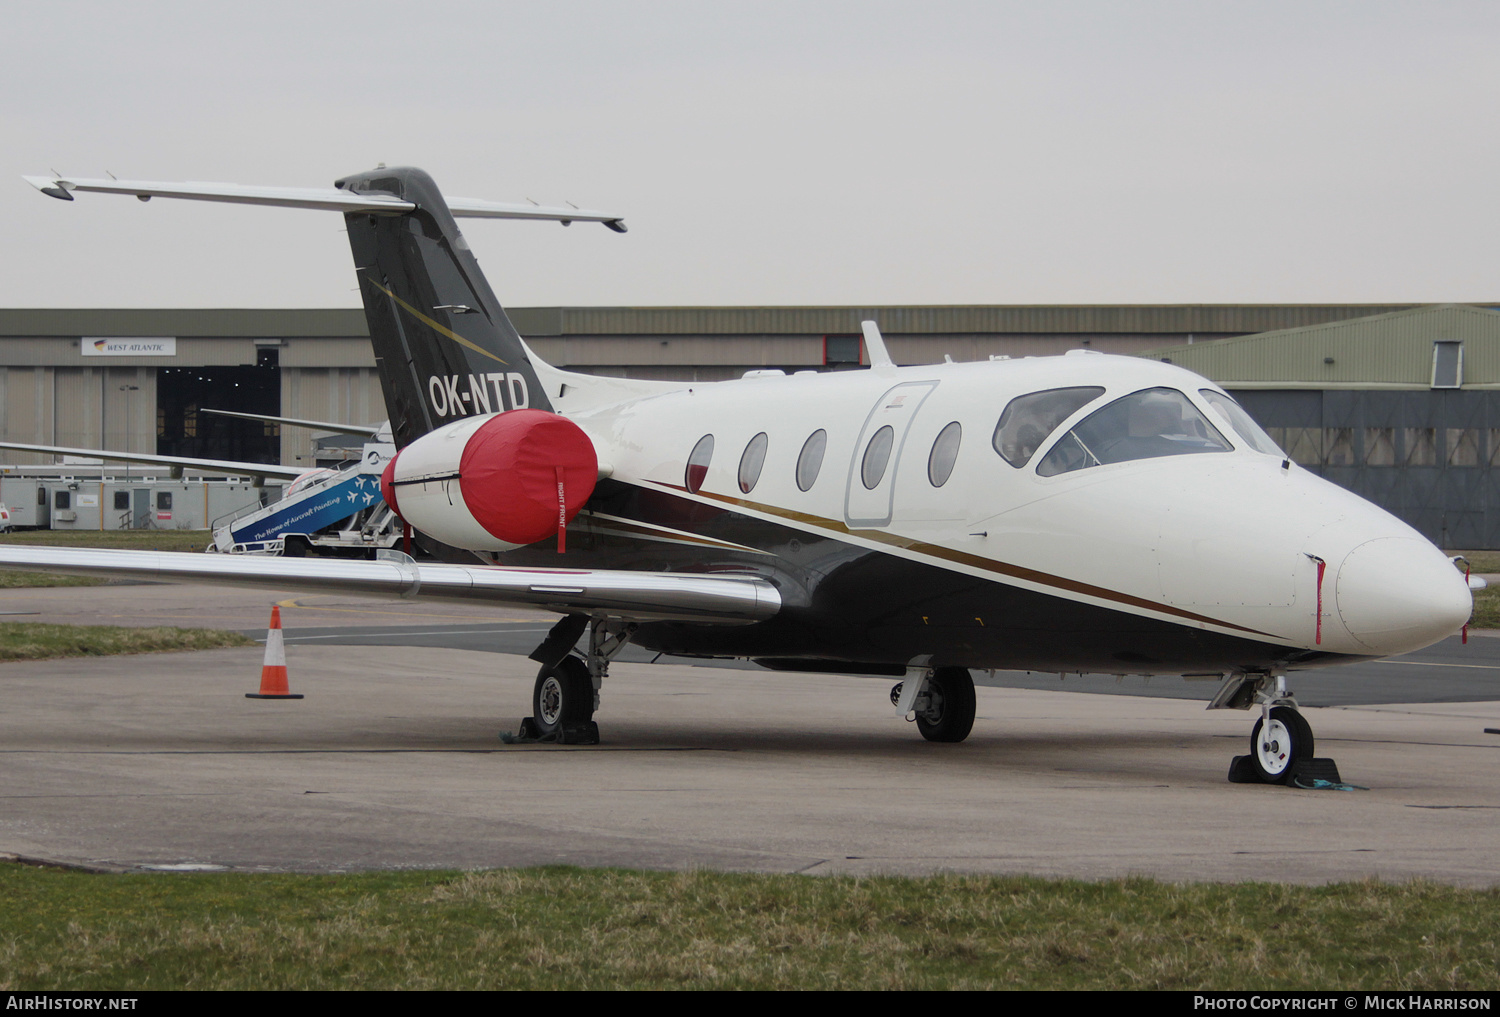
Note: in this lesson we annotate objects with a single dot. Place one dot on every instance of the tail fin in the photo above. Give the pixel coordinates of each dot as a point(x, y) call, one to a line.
point(443, 344)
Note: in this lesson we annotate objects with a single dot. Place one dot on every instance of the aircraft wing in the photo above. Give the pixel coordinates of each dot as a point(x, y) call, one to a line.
point(174, 463)
point(632, 596)
point(327, 198)
point(362, 430)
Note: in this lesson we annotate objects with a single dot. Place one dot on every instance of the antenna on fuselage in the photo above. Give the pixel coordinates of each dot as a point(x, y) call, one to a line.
point(875, 345)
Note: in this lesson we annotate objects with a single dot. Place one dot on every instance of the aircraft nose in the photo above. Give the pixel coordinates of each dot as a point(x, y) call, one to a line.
point(1396, 594)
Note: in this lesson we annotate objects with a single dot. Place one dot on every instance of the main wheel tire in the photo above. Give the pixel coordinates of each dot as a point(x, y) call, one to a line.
point(949, 716)
point(1275, 749)
point(563, 695)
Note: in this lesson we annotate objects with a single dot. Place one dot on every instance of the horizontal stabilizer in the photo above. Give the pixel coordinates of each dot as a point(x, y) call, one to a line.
point(634, 596)
point(332, 199)
point(173, 463)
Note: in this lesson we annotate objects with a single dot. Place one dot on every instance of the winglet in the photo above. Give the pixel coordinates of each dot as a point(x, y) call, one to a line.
point(875, 345)
point(50, 187)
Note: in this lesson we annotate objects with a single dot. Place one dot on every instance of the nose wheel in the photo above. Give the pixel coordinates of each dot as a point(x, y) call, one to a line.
point(1278, 742)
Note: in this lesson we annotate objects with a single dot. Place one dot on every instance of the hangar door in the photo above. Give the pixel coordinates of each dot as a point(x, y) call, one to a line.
point(182, 429)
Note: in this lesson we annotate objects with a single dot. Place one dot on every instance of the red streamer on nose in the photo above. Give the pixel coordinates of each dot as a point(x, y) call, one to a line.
point(1466, 583)
point(1318, 636)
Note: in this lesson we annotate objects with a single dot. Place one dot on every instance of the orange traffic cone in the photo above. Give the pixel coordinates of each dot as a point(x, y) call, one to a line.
point(273, 673)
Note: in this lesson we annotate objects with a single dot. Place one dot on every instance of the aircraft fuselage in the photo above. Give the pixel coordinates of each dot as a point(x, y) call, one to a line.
point(1172, 563)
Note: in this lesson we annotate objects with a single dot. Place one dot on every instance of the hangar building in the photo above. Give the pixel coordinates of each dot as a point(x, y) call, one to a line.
point(1396, 401)
point(1401, 408)
point(134, 380)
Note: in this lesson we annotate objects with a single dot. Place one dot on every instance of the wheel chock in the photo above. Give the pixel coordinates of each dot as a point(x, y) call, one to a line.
point(1317, 768)
point(1242, 771)
point(586, 733)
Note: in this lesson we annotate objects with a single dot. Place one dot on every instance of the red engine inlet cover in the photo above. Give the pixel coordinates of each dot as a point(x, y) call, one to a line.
point(512, 467)
point(388, 487)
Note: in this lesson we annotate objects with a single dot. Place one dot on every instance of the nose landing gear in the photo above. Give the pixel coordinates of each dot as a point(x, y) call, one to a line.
point(1281, 743)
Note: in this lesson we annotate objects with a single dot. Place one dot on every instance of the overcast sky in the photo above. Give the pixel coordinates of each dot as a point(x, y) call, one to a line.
point(774, 153)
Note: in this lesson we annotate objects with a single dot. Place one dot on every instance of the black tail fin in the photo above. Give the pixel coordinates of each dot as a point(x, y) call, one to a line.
point(443, 344)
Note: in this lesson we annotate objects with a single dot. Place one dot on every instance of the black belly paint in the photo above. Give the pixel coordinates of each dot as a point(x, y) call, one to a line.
point(847, 604)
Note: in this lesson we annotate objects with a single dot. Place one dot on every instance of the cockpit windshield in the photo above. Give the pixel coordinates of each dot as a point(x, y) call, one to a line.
point(1029, 419)
point(1145, 425)
point(1244, 425)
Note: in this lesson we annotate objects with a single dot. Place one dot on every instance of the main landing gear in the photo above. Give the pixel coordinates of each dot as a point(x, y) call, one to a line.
point(566, 692)
point(940, 700)
point(1281, 743)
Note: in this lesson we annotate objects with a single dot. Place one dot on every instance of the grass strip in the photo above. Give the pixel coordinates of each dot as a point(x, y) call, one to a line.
point(1487, 608)
point(137, 540)
point(31, 580)
point(563, 928)
point(36, 641)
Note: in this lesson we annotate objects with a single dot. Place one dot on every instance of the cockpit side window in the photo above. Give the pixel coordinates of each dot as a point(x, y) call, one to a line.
point(1244, 425)
point(1029, 419)
point(1145, 425)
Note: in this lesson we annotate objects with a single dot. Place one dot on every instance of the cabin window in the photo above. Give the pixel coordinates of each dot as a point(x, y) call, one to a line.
point(1149, 424)
point(697, 464)
point(752, 461)
point(810, 459)
point(122, 501)
point(877, 455)
point(1244, 425)
point(164, 501)
point(1029, 419)
point(944, 454)
point(62, 499)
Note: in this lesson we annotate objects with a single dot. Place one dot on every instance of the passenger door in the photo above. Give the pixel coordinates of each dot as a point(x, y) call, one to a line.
point(872, 469)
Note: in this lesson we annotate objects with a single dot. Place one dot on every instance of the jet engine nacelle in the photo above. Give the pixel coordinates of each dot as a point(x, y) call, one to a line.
point(493, 483)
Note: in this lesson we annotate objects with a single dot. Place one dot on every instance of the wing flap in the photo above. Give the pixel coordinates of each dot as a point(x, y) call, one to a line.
point(634, 596)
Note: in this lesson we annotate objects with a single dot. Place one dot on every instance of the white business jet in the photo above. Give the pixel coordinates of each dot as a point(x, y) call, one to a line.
point(1078, 513)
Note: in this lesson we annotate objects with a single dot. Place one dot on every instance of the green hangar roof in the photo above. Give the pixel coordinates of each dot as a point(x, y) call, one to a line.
point(1438, 346)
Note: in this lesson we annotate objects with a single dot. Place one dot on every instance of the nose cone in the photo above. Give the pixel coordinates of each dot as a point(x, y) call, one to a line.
point(1397, 594)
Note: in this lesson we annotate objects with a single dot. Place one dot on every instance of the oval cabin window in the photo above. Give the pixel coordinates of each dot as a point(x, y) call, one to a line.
point(810, 459)
point(944, 454)
point(697, 464)
point(752, 461)
point(877, 455)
